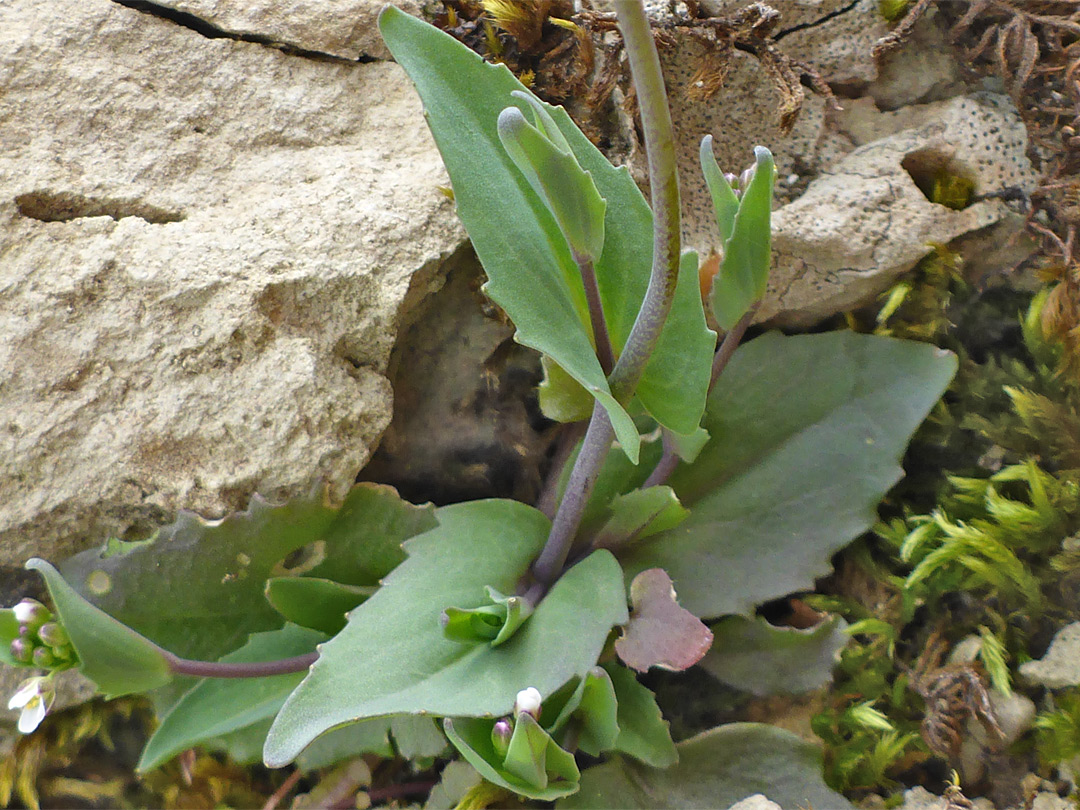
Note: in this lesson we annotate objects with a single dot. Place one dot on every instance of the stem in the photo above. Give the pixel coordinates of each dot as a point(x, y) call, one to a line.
point(594, 448)
point(665, 466)
point(730, 344)
point(568, 437)
point(283, 790)
point(253, 669)
point(604, 352)
point(664, 188)
point(664, 181)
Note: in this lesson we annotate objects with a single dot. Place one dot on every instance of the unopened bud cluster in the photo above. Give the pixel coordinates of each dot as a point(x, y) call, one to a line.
point(41, 642)
point(528, 702)
point(740, 182)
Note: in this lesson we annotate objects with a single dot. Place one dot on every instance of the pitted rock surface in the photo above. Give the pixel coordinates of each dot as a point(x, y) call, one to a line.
point(207, 245)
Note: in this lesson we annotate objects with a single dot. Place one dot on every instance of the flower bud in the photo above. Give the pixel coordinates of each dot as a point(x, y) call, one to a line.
point(31, 612)
point(43, 657)
point(500, 736)
point(22, 650)
point(746, 177)
point(53, 634)
point(528, 702)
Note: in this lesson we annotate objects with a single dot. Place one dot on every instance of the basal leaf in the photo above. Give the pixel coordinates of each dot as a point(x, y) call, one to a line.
point(532, 276)
point(725, 203)
point(640, 513)
point(112, 655)
point(643, 732)
point(807, 432)
point(320, 604)
point(392, 657)
point(197, 587)
point(760, 658)
point(716, 769)
point(218, 706)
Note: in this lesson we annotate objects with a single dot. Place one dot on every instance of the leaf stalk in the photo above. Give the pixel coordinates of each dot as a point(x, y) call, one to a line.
point(252, 669)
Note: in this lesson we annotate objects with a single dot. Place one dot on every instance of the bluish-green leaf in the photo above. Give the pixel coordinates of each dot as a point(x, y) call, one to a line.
point(197, 587)
point(493, 623)
point(540, 769)
point(218, 706)
point(392, 656)
point(9, 631)
point(807, 433)
point(643, 732)
point(320, 604)
point(532, 276)
point(725, 203)
point(116, 658)
point(554, 174)
point(760, 658)
point(716, 769)
point(639, 514)
point(744, 269)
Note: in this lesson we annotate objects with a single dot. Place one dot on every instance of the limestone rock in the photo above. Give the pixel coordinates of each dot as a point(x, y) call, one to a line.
point(1060, 667)
point(342, 28)
point(206, 249)
point(756, 802)
point(865, 221)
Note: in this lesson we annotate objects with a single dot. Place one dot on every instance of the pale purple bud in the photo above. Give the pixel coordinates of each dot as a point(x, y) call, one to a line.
point(43, 658)
point(53, 634)
point(500, 736)
point(22, 650)
point(732, 180)
point(746, 177)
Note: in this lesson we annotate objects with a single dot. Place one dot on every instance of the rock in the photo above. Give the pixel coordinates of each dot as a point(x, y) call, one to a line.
point(919, 798)
point(1060, 667)
point(343, 28)
point(208, 249)
point(865, 221)
point(755, 802)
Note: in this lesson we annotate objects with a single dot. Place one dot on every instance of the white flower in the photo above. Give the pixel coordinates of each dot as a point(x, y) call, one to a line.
point(29, 610)
point(528, 702)
point(33, 699)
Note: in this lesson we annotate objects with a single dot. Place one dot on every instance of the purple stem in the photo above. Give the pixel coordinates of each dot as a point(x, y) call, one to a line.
point(253, 669)
point(604, 352)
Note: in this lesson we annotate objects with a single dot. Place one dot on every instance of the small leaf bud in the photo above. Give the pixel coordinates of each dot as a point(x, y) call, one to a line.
point(22, 650)
point(53, 634)
point(31, 612)
point(500, 736)
point(528, 702)
point(43, 658)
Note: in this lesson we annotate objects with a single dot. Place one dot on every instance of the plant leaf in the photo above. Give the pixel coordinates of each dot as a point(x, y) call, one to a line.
point(492, 623)
point(725, 203)
point(640, 513)
point(716, 769)
point(112, 655)
point(320, 604)
point(760, 658)
point(197, 587)
point(218, 706)
point(595, 706)
point(744, 268)
point(392, 656)
point(545, 771)
point(554, 174)
point(532, 276)
point(660, 632)
point(9, 631)
point(806, 434)
point(643, 732)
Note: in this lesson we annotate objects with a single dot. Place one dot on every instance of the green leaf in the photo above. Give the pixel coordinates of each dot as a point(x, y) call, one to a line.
point(744, 270)
point(113, 656)
point(554, 174)
point(593, 706)
point(9, 631)
point(320, 604)
point(392, 656)
point(640, 513)
point(757, 657)
point(197, 587)
point(218, 706)
point(491, 624)
point(535, 766)
point(416, 736)
point(532, 275)
point(725, 203)
point(689, 445)
point(716, 769)
point(807, 432)
point(643, 732)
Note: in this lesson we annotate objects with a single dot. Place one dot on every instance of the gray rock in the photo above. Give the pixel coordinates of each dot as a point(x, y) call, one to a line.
point(207, 247)
point(755, 802)
point(1060, 667)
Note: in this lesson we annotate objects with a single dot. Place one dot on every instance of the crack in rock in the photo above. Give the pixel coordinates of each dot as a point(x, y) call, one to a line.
point(820, 21)
point(47, 206)
point(204, 28)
